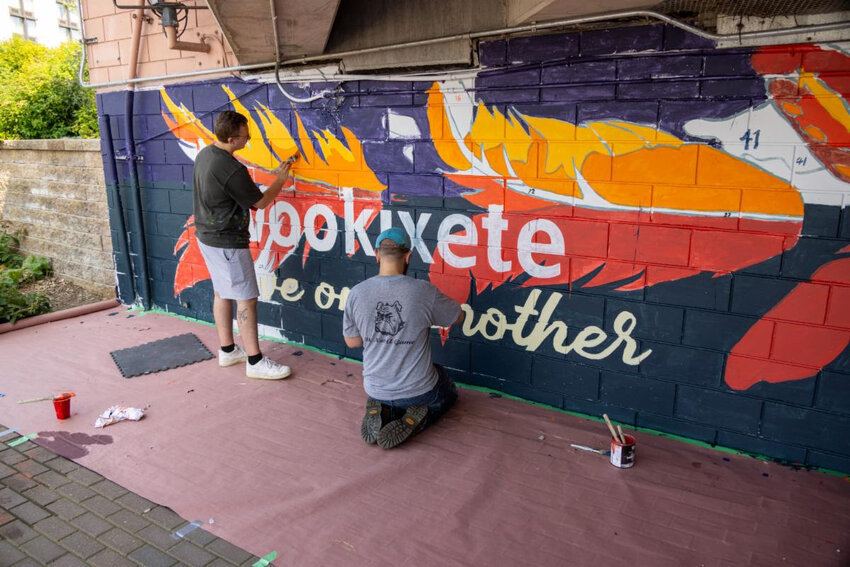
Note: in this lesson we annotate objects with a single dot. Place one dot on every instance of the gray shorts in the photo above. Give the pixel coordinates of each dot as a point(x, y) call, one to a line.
point(231, 271)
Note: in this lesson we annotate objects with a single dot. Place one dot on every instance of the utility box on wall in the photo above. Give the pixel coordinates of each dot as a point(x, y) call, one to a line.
point(636, 222)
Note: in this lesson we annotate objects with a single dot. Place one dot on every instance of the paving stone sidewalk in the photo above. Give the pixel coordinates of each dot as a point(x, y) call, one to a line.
point(56, 512)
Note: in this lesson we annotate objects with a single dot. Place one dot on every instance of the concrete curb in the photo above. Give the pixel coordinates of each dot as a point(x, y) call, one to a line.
point(59, 315)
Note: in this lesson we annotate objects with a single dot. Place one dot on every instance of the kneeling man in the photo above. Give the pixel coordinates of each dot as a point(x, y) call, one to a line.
point(390, 316)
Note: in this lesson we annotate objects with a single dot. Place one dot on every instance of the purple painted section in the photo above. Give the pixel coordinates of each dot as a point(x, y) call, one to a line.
point(518, 95)
point(426, 159)
point(733, 88)
point(425, 185)
point(321, 119)
point(493, 53)
point(592, 72)
point(149, 102)
point(735, 64)
point(678, 39)
point(528, 77)
point(207, 99)
point(542, 48)
point(387, 157)
point(367, 123)
point(152, 152)
point(659, 67)
point(665, 90)
point(622, 40)
point(386, 93)
point(578, 94)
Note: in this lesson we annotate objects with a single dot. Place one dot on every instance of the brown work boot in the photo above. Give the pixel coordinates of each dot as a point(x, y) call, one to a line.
point(371, 425)
point(397, 432)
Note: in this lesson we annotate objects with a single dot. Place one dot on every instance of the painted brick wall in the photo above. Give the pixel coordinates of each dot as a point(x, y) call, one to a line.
point(636, 222)
point(54, 190)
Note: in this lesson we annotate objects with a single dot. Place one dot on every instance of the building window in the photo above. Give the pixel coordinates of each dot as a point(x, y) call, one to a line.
point(66, 20)
point(23, 19)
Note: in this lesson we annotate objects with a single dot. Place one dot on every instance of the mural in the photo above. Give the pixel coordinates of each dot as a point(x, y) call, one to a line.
point(661, 235)
point(601, 202)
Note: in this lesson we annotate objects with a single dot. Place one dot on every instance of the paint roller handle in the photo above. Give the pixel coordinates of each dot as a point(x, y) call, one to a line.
point(31, 400)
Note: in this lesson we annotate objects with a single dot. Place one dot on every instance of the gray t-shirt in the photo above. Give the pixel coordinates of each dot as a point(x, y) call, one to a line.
point(224, 194)
point(393, 315)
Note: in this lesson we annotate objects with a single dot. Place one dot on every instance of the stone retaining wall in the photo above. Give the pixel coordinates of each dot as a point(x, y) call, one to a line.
point(54, 189)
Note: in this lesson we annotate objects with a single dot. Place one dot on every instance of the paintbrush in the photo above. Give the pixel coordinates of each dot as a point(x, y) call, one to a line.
point(56, 397)
point(591, 449)
point(34, 400)
point(622, 437)
point(611, 428)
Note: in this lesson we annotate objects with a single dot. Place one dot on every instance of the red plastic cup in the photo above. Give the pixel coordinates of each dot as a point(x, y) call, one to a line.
point(62, 406)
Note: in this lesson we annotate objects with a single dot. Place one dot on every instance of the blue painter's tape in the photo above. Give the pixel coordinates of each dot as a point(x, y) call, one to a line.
point(265, 560)
point(179, 534)
point(8, 431)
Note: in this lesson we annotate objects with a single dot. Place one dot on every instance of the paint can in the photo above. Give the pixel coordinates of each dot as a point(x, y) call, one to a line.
point(62, 406)
point(623, 454)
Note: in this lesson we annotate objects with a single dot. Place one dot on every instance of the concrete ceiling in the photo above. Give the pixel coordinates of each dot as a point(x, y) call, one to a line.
point(315, 27)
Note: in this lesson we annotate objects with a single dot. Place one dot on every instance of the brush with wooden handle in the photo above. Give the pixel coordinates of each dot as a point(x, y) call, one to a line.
point(622, 437)
point(31, 400)
point(611, 427)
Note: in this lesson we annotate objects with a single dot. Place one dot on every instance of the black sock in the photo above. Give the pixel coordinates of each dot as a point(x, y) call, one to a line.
point(255, 358)
point(228, 348)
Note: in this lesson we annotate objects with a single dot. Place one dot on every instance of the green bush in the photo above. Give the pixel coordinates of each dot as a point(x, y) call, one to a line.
point(15, 270)
point(40, 96)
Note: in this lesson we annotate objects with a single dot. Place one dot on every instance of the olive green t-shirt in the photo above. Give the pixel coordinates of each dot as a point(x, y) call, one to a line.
point(223, 197)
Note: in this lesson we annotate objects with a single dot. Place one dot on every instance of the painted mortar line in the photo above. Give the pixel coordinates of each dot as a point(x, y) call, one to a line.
point(696, 442)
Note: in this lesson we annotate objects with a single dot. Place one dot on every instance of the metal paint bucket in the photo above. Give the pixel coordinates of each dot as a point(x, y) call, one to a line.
point(623, 454)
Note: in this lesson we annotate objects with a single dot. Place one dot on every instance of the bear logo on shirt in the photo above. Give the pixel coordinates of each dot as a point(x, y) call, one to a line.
point(388, 319)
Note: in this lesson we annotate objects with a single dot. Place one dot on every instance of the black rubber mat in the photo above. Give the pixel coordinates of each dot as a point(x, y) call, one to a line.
point(160, 355)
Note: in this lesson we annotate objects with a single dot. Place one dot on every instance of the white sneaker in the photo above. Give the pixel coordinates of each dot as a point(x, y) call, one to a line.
point(267, 369)
point(235, 356)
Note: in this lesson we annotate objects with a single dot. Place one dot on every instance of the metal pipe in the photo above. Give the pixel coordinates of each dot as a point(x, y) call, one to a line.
point(110, 173)
point(139, 21)
point(141, 268)
point(174, 43)
point(316, 96)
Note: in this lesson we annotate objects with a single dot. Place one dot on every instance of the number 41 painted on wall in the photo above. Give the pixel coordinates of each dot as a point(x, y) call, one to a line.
point(747, 138)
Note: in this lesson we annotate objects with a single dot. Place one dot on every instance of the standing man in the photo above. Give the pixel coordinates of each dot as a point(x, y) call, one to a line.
point(224, 195)
point(390, 316)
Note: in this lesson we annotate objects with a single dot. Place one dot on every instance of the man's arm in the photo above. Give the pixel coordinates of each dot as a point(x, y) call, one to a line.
point(274, 189)
point(354, 342)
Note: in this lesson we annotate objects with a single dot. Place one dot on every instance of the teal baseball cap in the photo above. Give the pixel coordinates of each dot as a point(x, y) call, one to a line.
point(396, 235)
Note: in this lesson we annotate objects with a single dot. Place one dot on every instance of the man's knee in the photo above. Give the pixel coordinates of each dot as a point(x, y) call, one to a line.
point(246, 303)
